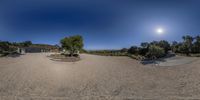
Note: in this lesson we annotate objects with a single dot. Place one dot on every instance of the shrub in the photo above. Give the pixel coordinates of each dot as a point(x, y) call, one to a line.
point(143, 51)
point(124, 50)
point(165, 45)
point(183, 49)
point(155, 52)
point(133, 50)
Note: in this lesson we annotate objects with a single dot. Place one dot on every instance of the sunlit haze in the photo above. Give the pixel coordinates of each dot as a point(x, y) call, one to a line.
point(160, 31)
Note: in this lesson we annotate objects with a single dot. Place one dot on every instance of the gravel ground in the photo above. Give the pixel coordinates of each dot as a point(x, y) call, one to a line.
point(36, 77)
point(177, 60)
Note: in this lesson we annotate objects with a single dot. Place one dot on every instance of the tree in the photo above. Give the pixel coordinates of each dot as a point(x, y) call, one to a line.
point(155, 52)
point(183, 48)
point(124, 50)
point(187, 44)
point(156, 43)
point(25, 44)
point(7, 47)
point(196, 46)
point(72, 44)
point(174, 46)
point(144, 48)
point(144, 44)
point(4, 46)
point(133, 50)
point(165, 45)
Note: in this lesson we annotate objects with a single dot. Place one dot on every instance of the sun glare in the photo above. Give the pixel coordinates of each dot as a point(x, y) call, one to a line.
point(159, 31)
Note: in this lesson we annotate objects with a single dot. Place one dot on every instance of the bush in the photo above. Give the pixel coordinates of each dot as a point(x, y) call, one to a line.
point(83, 51)
point(183, 49)
point(143, 51)
point(133, 50)
point(165, 45)
point(108, 52)
point(124, 50)
point(155, 52)
point(137, 57)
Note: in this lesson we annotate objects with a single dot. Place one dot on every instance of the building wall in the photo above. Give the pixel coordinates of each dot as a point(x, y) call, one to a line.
point(36, 50)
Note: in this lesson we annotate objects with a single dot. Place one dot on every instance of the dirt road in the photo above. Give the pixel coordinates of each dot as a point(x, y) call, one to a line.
point(36, 77)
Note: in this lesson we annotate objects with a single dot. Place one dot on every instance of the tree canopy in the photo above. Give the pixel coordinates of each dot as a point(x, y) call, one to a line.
point(72, 43)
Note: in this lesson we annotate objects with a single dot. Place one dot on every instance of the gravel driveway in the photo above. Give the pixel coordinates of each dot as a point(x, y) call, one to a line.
point(177, 60)
point(36, 77)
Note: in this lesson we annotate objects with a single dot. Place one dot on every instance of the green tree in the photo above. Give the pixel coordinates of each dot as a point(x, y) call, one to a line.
point(165, 45)
point(156, 43)
point(144, 48)
point(133, 50)
point(4, 46)
point(24, 44)
point(7, 47)
point(187, 44)
point(155, 52)
point(144, 44)
point(124, 50)
point(183, 48)
point(72, 44)
point(174, 46)
point(196, 47)
point(27, 43)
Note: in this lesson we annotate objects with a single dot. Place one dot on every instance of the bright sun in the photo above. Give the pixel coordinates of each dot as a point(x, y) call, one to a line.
point(159, 31)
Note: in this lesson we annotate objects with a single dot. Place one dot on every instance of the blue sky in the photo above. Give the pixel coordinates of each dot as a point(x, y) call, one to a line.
point(104, 24)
